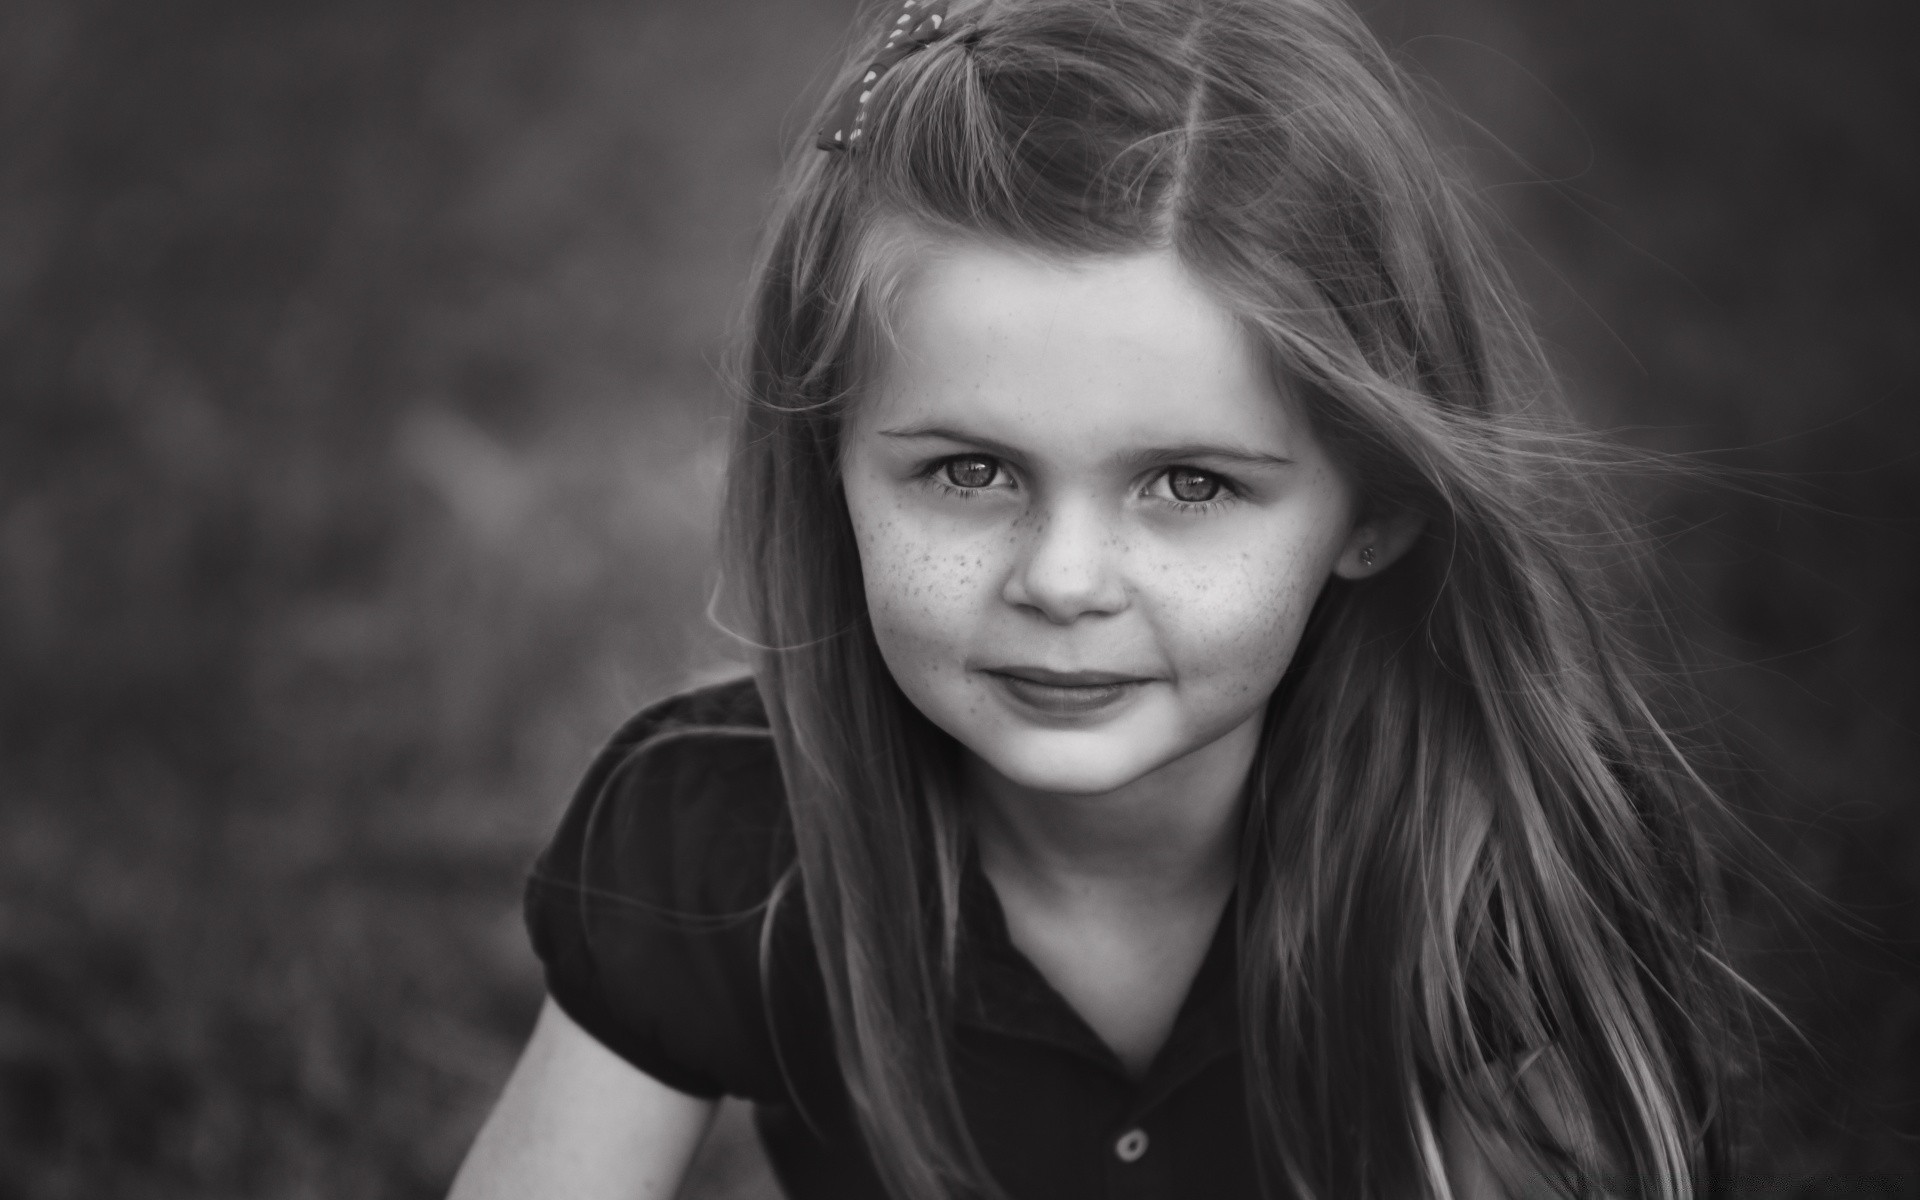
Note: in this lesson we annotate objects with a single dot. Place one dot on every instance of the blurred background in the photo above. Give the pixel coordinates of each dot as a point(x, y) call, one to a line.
point(359, 444)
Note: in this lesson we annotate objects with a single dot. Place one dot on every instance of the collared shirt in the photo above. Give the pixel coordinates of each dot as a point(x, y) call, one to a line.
point(647, 910)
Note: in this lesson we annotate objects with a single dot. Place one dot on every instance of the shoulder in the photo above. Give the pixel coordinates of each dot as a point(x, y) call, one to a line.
point(1566, 1153)
point(727, 709)
point(648, 906)
point(681, 813)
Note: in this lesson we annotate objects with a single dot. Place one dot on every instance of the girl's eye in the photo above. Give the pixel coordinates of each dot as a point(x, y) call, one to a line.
point(1192, 487)
point(971, 471)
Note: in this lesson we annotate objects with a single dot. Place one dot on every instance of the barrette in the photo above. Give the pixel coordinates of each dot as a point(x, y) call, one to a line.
point(920, 24)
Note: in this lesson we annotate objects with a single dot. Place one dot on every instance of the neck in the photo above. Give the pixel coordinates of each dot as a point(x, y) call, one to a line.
point(1173, 832)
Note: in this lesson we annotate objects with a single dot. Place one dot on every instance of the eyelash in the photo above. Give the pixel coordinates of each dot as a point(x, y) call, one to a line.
point(935, 472)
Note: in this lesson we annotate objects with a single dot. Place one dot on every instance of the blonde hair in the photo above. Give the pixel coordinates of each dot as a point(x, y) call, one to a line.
point(1469, 836)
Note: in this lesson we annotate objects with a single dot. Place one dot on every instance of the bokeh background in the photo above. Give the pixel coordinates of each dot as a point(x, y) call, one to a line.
point(360, 438)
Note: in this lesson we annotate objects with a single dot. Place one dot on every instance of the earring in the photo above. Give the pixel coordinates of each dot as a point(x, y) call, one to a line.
point(1366, 556)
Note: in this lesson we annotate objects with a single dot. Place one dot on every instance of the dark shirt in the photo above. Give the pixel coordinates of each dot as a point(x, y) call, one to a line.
point(647, 911)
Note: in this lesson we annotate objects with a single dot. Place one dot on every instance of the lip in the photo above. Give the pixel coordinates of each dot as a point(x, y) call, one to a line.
point(1066, 693)
point(1066, 679)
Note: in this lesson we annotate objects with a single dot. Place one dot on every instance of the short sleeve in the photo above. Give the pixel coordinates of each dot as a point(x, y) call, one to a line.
point(647, 906)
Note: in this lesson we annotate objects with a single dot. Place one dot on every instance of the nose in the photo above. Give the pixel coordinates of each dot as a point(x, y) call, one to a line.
point(1067, 565)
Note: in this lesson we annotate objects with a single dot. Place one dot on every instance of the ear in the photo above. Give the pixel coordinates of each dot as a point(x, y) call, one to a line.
point(1377, 541)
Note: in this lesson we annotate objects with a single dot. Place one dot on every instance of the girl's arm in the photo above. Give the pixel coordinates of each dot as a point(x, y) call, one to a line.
point(577, 1122)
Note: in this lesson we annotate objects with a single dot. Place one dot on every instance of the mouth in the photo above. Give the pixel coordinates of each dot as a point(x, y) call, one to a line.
point(1066, 693)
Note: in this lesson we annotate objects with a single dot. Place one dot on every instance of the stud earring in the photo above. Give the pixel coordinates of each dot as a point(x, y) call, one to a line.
point(1366, 556)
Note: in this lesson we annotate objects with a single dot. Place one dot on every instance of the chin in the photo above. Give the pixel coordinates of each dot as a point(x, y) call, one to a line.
point(1068, 764)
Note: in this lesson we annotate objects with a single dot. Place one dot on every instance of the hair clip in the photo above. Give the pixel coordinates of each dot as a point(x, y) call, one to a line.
point(920, 24)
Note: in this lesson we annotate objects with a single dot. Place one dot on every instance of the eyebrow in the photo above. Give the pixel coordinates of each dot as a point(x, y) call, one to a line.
point(915, 433)
point(1237, 455)
point(1157, 455)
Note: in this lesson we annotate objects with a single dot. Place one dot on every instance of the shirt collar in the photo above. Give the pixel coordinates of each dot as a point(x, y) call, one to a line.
point(1000, 991)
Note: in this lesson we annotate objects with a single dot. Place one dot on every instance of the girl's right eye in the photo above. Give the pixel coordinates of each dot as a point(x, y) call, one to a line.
point(970, 471)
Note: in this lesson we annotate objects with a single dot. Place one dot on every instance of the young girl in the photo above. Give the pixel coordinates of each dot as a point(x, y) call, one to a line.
point(1187, 754)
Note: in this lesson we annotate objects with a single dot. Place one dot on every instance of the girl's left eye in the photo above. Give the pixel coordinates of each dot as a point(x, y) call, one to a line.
point(971, 471)
point(1191, 486)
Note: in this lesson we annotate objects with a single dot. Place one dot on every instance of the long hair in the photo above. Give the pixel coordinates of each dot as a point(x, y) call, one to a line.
point(1474, 874)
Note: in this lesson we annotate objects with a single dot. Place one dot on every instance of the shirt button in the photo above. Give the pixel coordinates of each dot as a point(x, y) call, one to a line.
point(1131, 1145)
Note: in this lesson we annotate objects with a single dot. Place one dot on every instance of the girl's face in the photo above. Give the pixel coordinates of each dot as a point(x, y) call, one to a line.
point(1091, 527)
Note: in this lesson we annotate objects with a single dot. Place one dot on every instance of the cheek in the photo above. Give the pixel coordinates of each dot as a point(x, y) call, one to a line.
point(1236, 620)
point(920, 582)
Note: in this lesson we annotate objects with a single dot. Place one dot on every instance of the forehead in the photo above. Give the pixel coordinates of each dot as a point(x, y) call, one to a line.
point(1132, 346)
